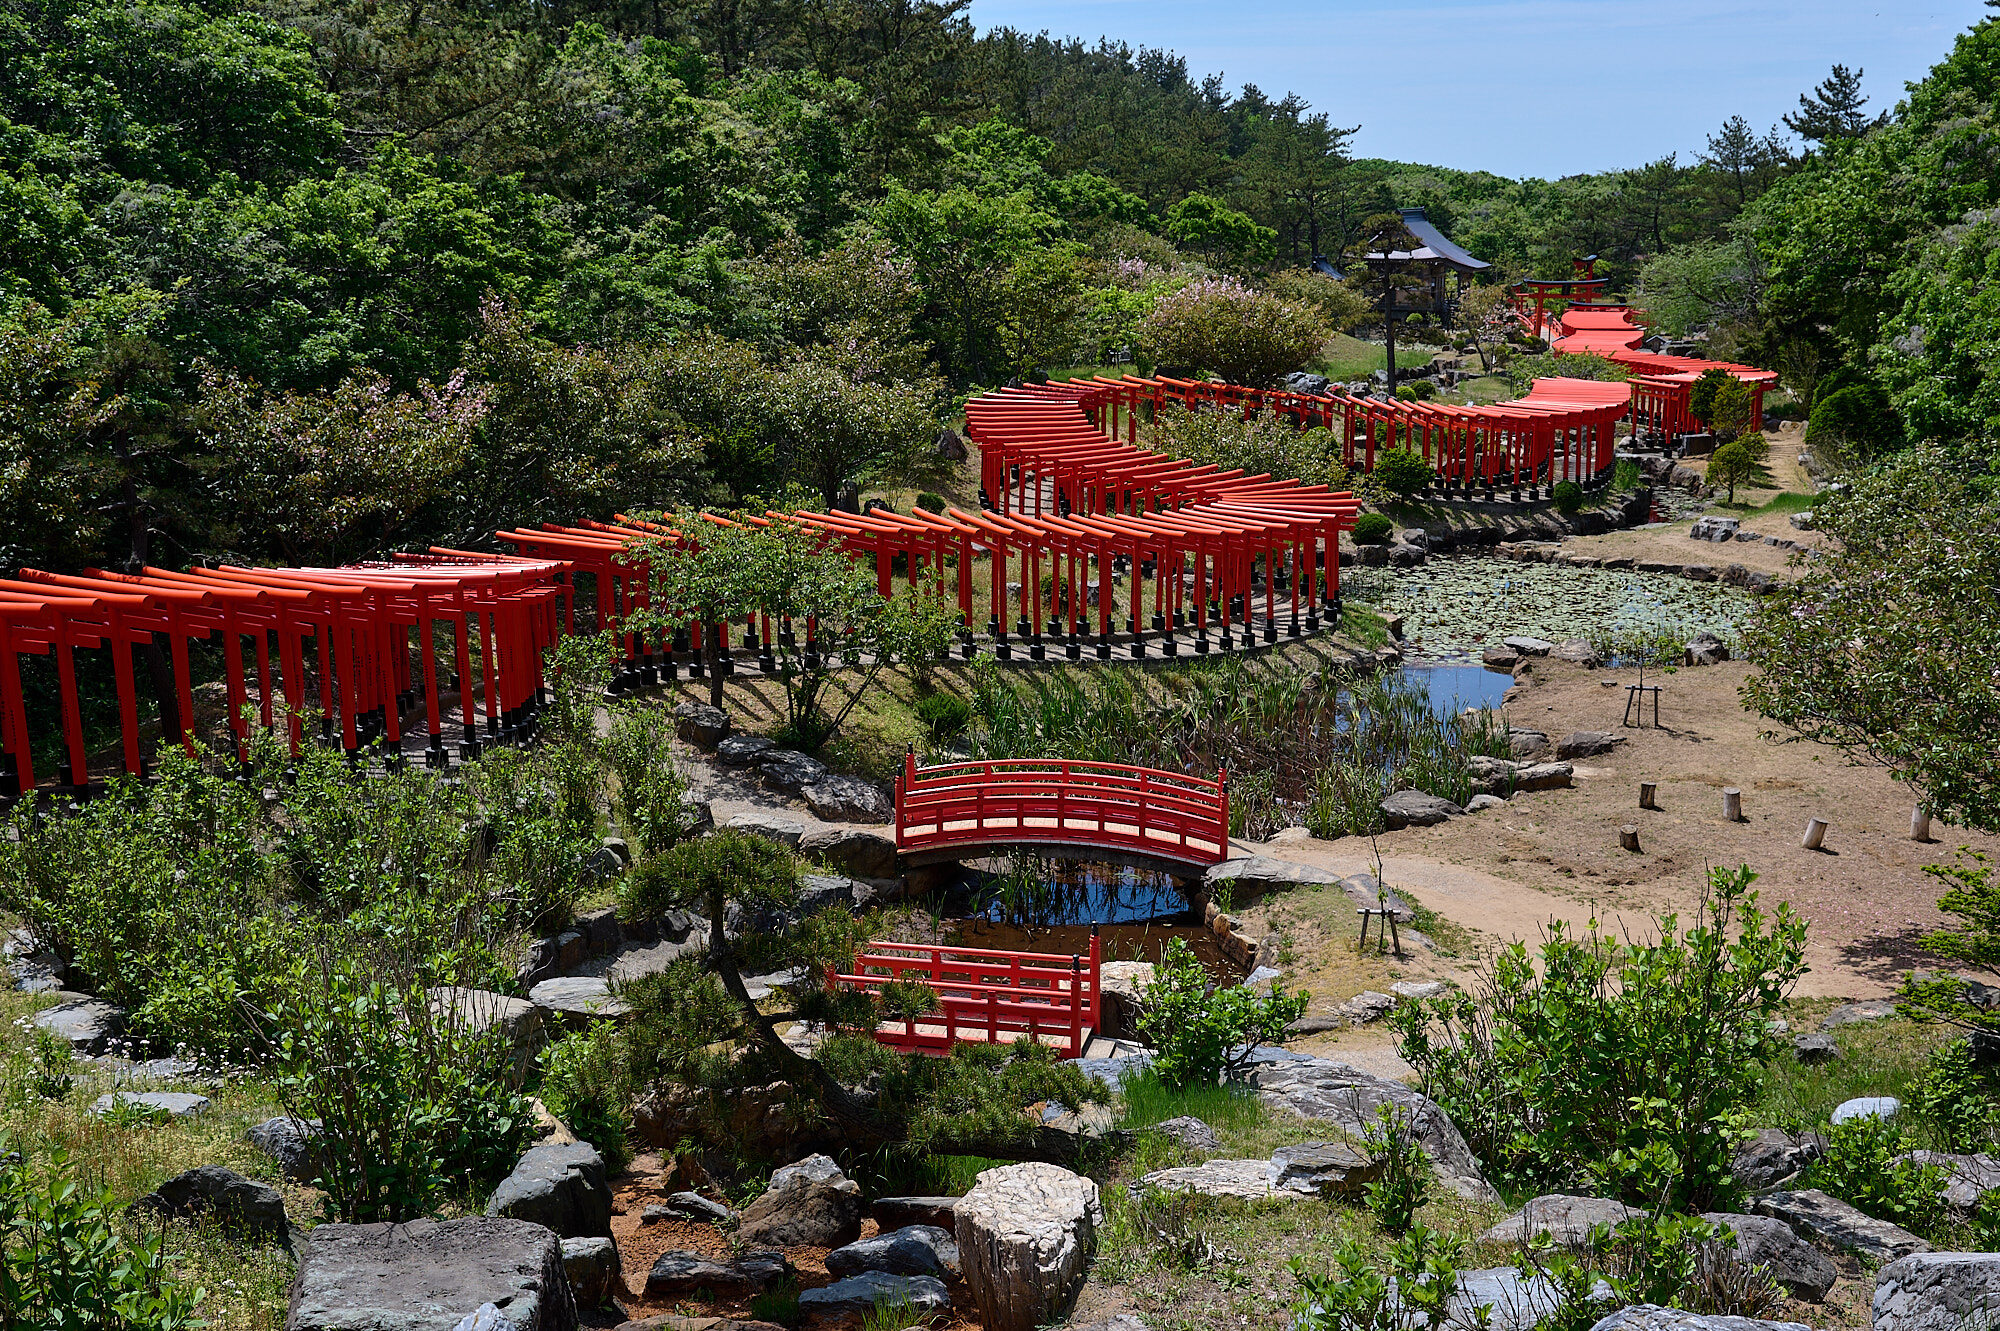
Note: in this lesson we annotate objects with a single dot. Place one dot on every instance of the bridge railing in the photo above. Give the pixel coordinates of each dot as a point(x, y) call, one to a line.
point(983, 996)
point(1108, 806)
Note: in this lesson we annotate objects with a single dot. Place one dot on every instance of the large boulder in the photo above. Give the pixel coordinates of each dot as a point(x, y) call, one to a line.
point(1706, 649)
point(771, 825)
point(683, 1272)
point(476, 1011)
point(1774, 1157)
point(561, 1186)
point(154, 1104)
point(790, 771)
point(1565, 1218)
point(1938, 1291)
point(1190, 1132)
point(1247, 1180)
point(1248, 876)
point(1866, 1106)
point(1544, 776)
point(1525, 743)
point(1330, 1169)
point(864, 1292)
point(914, 1250)
point(1414, 808)
point(1771, 1244)
point(808, 1204)
point(577, 1000)
point(742, 750)
point(1814, 1215)
point(1336, 1093)
point(848, 799)
point(1587, 744)
point(288, 1141)
point(429, 1275)
point(88, 1024)
point(1966, 1177)
point(1026, 1235)
point(1516, 1302)
point(852, 850)
point(1527, 646)
point(1652, 1317)
point(241, 1207)
point(1870, 1009)
point(592, 1267)
point(700, 725)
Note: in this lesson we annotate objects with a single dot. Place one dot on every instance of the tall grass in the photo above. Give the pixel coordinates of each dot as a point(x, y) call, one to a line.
point(1318, 749)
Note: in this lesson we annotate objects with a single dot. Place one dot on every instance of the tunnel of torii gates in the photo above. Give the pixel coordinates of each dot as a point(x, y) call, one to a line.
point(422, 641)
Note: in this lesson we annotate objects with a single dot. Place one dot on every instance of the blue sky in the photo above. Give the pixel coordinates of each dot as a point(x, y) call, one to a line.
point(1491, 84)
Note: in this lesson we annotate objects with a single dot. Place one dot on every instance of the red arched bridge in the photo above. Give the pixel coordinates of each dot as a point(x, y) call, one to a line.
point(1138, 815)
point(983, 997)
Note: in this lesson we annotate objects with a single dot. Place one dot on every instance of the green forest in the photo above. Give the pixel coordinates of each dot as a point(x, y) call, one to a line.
point(308, 280)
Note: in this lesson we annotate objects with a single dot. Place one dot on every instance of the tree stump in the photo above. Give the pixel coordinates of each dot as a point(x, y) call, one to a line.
point(1628, 837)
point(1649, 795)
point(1732, 804)
point(1920, 824)
point(1815, 833)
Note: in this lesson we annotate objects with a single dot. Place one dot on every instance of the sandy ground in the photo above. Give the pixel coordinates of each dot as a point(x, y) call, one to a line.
point(1554, 855)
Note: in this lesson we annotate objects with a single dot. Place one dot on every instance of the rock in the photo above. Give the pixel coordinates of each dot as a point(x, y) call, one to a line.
point(562, 1187)
point(88, 1024)
point(1417, 988)
point(771, 826)
point(914, 1250)
point(808, 1204)
point(847, 799)
point(1771, 1244)
point(700, 725)
point(1715, 529)
point(693, 1206)
point(1190, 1132)
point(1257, 875)
point(1026, 1234)
point(1302, 381)
point(683, 1272)
point(288, 1141)
point(1500, 658)
point(1698, 572)
point(241, 1207)
point(1587, 744)
point(1402, 555)
point(1967, 1177)
point(1249, 1180)
point(1529, 646)
point(860, 1294)
point(742, 750)
point(477, 1010)
point(790, 771)
point(1544, 776)
point(592, 1267)
point(1874, 1009)
point(165, 1104)
point(898, 1212)
point(1863, 1106)
point(853, 851)
point(1347, 1097)
point(1814, 1215)
point(1578, 651)
point(429, 1275)
point(1121, 986)
point(1408, 808)
point(1773, 1157)
point(950, 448)
point(1517, 1303)
point(577, 1000)
point(1525, 743)
point(676, 1322)
point(1706, 649)
point(1938, 1291)
point(1481, 803)
point(1367, 1006)
point(1567, 1219)
point(1652, 1317)
point(1760, 583)
point(1810, 1049)
point(1330, 1169)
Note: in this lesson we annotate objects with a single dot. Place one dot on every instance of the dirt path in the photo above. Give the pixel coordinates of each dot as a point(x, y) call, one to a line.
point(1555, 854)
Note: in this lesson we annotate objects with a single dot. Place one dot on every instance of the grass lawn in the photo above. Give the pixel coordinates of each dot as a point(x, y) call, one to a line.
point(1483, 391)
point(1786, 501)
point(1345, 358)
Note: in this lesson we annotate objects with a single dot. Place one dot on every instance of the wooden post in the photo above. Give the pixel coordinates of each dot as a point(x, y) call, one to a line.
point(1628, 837)
point(1920, 824)
point(1732, 804)
point(1649, 794)
point(1815, 833)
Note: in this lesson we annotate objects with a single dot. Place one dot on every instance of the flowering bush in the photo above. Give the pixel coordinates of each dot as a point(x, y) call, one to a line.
point(1219, 326)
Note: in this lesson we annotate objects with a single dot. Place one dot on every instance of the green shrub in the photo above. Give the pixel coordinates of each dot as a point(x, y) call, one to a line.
point(1402, 472)
point(1404, 1182)
point(65, 1262)
point(1356, 1294)
point(648, 797)
point(932, 503)
point(780, 1304)
point(945, 715)
point(1860, 1168)
point(1731, 465)
point(1373, 528)
point(587, 1083)
point(1615, 1064)
point(684, 877)
point(1701, 397)
point(1219, 326)
point(1667, 1260)
point(1854, 425)
point(1626, 478)
point(1568, 496)
point(1201, 1032)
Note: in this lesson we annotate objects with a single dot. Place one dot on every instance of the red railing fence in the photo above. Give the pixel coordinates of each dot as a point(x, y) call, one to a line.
point(984, 996)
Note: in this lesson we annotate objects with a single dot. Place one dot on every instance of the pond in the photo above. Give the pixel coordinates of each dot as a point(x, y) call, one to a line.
point(1453, 688)
point(1453, 607)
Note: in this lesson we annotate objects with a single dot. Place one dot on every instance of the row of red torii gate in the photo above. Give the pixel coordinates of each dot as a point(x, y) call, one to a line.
point(443, 649)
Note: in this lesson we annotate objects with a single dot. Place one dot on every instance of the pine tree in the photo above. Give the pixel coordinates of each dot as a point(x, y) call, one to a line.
point(1738, 151)
point(1833, 109)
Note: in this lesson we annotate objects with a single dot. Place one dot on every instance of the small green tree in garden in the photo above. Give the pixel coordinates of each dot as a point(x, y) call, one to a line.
point(1402, 472)
point(1205, 225)
point(1201, 1031)
point(1701, 397)
point(1731, 413)
point(1731, 465)
point(1884, 647)
point(1568, 496)
point(1622, 1065)
point(699, 586)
